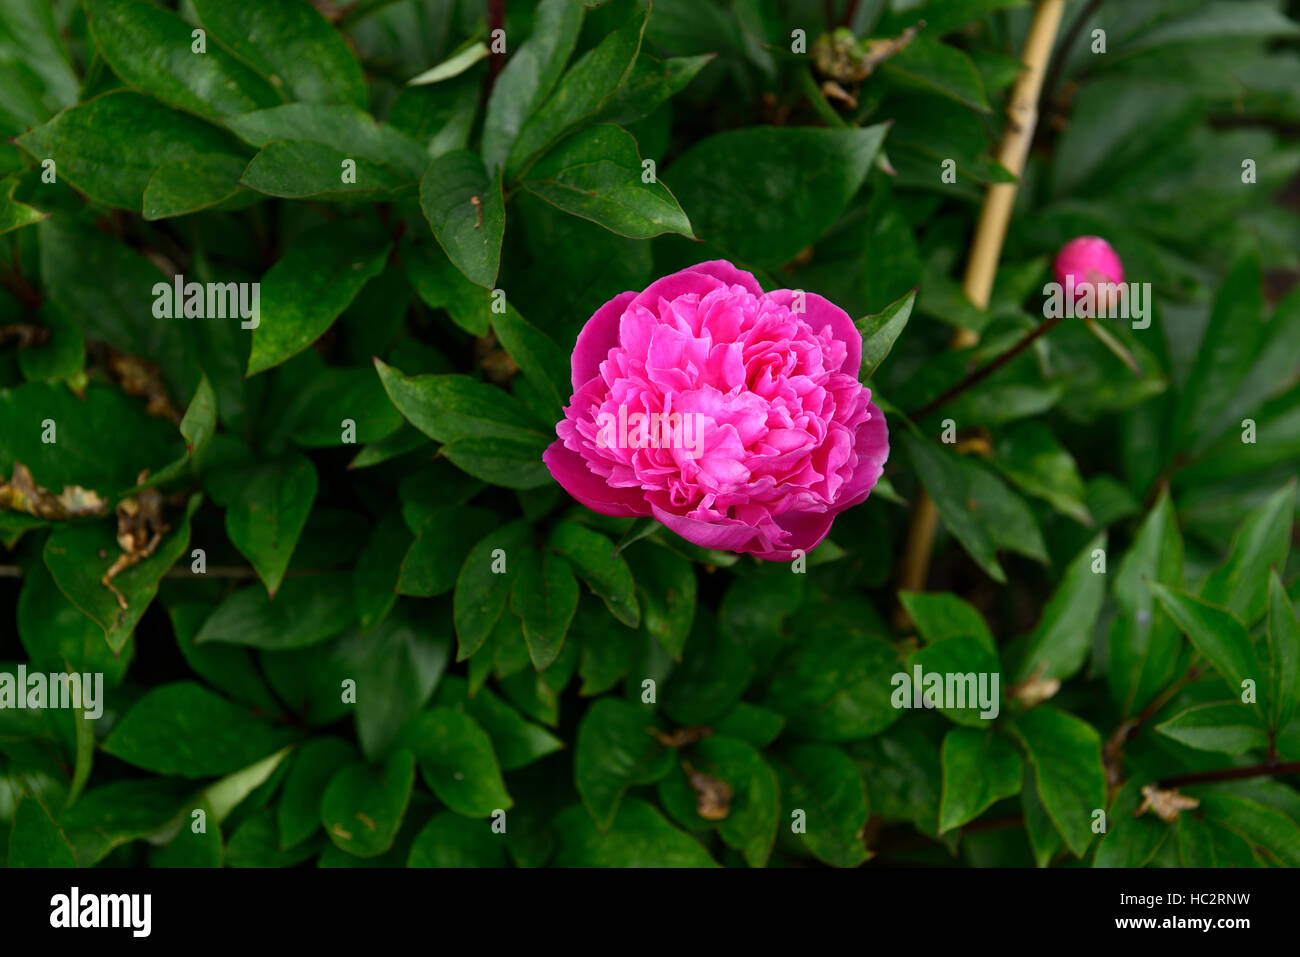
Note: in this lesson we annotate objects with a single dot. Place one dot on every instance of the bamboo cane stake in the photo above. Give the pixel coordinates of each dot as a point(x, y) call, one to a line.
point(986, 249)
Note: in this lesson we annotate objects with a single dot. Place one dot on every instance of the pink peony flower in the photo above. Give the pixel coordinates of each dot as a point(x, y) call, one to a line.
point(1089, 259)
point(733, 416)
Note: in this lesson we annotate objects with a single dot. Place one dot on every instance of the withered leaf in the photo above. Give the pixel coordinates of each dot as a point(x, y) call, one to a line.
point(22, 494)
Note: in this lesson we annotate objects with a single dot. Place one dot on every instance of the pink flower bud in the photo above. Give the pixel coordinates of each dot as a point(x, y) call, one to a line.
point(1089, 259)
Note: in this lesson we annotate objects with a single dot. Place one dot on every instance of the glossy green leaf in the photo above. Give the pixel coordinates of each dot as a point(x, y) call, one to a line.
point(307, 289)
point(185, 730)
point(464, 208)
point(292, 45)
point(1065, 753)
point(980, 768)
point(363, 805)
point(457, 762)
point(598, 174)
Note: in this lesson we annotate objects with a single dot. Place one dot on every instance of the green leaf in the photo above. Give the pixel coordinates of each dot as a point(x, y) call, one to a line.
point(545, 596)
point(651, 82)
point(509, 462)
point(63, 357)
point(13, 214)
point(1226, 727)
point(754, 810)
point(949, 486)
point(292, 45)
point(307, 289)
point(306, 611)
point(465, 210)
point(454, 65)
point(29, 35)
point(396, 667)
point(608, 576)
point(582, 92)
point(35, 840)
point(742, 188)
point(529, 76)
point(1065, 753)
point(363, 805)
point(451, 407)
point(544, 363)
point(1284, 654)
point(72, 556)
point(516, 742)
point(190, 848)
point(1032, 458)
point(1131, 840)
point(151, 49)
point(457, 762)
point(1144, 642)
point(939, 68)
point(615, 751)
point(667, 589)
point(449, 841)
point(1044, 839)
point(639, 836)
point(1216, 634)
point(1195, 842)
point(229, 669)
point(1264, 827)
point(298, 815)
point(254, 844)
point(940, 615)
point(1226, 351)
point(337, 127)
point(108, 816)
point(268, 512)
point(881, 331)
point(1262, 542)
point(824, 802)
point(833, 684)
point(968, 668)
point(434, 559)
point(55, 632)
point(759, 726)
point(374, 577)
point(482, 591)
point(90, 145)
point(197, 427)
point(714, 673)
point(1063, 637)
point(597, 174)
point(298, 169)
point(980, 768)
point(185, 730)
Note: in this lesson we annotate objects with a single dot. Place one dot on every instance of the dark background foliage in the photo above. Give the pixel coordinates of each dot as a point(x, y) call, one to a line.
point(336, 561)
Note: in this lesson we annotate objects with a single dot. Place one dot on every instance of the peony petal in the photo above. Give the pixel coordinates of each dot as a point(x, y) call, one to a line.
point(872, 446)
point(571, 471)
point(821, 312)
point(806, 531)
point(731, 536)
point(597, 337)
point(721, 269)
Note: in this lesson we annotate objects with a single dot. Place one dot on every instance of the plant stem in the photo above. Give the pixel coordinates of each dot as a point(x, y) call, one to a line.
point(986, 248)
point(1268, 768)
point(986, 370)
